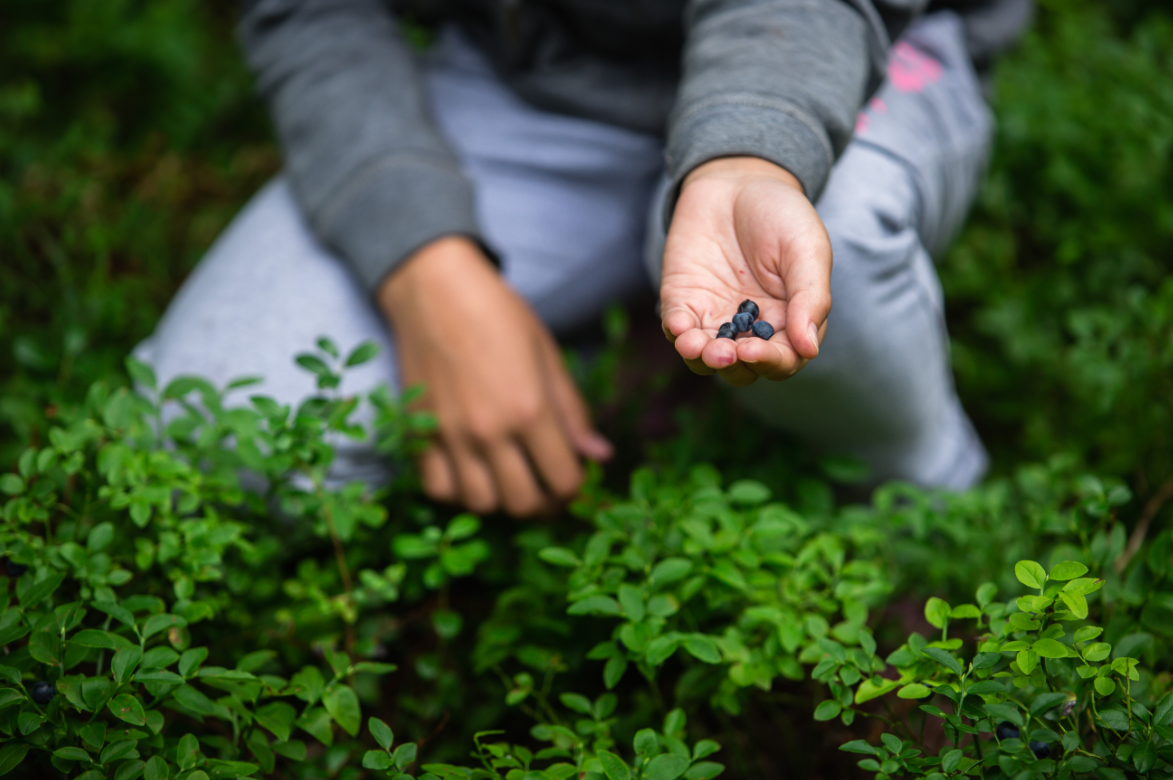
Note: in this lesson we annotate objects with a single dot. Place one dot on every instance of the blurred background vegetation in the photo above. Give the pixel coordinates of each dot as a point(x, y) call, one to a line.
point(129, 136)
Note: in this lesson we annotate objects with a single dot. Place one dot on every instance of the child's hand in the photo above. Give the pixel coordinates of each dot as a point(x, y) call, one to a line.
point(744, 229)
point(512, 426)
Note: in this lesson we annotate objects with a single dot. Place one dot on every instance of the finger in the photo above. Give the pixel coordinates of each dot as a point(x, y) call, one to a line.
point(552, 455)
point(437, 475)
point(474, 480)
point(808, 284)
point(575, 418)
point(720, 355)
point(775, 359)
point(520, 493)
point(738, 375)
point(676, 321)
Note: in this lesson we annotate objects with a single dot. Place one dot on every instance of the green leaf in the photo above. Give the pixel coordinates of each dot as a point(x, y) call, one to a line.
point(362, 353)
point(377, 760)
point(1067, 570)
point(632, 602)
point(594, 605)
point(157, 623)
point(945, 659)
point(42, 589)
point(828, 709)
point(342, 704)
point(1076, 603)
point(126, 707)
point(868, 690)
point(1105, 686)
point(670, 570)
point(560, 556)
point(913, 691)
point(962, 611)
point(156, 769)
point(191, 659)
point(667, 766)
point(313, 364)
point(12, 484)
point(703, 648)
point(404, 755)
point(576, 702)
point(986, 593)
point(141, 373)
point(1045, 702)
point(1163, 714)
point(613, 766)
point(125, 661)
point(316, 721)
point(1097, 651)
point(129, 770)
point(1083, 586)
point(11, 755)
point(93, 637)
point(117, 750)
point(937, 612)
point(1027, 660)
point(748, 492)
point(72, 754)
point(704, 770)
point(187, 752)
point(1030, 574)
point(858, 746)
point(613, 671)
point(278, 718)
point(380, 731)
point(1049, 648)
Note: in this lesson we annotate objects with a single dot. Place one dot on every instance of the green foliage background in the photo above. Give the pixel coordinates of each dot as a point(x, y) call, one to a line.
point(129, 137)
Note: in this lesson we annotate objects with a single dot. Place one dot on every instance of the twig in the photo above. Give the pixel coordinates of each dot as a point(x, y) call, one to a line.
point(343, 569)
point(1151, 508)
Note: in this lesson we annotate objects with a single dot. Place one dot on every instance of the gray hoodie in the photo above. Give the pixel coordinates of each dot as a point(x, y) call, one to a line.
point(776, 79)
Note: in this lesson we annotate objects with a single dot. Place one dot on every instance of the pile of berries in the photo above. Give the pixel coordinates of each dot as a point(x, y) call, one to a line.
point(746, 321)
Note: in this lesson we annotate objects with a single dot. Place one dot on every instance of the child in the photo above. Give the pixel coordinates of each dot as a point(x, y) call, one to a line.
point(459, 206)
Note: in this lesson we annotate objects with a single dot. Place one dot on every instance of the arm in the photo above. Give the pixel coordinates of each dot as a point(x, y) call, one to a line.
point(380, 187)
point(372, 174)
point(768, 101)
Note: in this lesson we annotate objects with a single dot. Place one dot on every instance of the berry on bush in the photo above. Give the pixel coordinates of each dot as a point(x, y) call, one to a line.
point(750, 307)
point(1006, 730)
point(1040, 749)
point(742, 322)
point(762, 329)
point(42, 692)
point(726, 331)
point(14, 569)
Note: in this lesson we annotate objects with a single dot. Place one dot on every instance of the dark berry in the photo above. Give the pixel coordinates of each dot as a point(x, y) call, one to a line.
point(749, 306)
point(1006, 730)
point(726, 331)
point(14, 569)
point(1040, 749)
point(762, 329)
point(42, 692)
point(742, 322)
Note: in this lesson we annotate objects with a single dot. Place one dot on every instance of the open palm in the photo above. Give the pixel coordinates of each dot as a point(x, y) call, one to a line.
point(742, 229)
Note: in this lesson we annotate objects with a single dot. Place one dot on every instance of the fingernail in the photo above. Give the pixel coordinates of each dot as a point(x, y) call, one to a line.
point(597, 447)
point(814, 332)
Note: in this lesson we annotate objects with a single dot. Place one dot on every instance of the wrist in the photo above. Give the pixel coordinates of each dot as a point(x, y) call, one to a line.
point(430, 273)
point(741, 167)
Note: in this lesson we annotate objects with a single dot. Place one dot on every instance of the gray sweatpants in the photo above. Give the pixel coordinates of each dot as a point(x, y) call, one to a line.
point(572, 207)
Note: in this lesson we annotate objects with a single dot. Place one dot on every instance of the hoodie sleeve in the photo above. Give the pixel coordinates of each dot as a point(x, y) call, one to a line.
point(778, 79)
point(368, 167)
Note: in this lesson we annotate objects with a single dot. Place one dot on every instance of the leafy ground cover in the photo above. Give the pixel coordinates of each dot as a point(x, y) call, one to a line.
point(712, 603)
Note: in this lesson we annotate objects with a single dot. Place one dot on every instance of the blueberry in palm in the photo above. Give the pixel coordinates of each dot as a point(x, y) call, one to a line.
point(763, 329)
point(726, 331)
point(749, 306)
point(742, 322)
